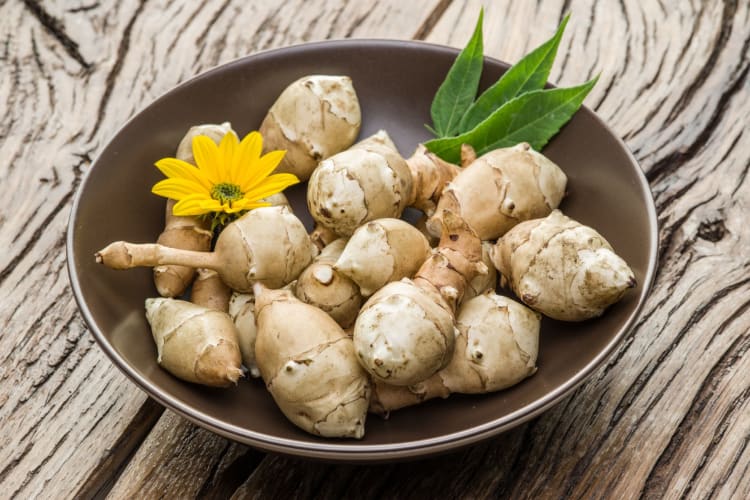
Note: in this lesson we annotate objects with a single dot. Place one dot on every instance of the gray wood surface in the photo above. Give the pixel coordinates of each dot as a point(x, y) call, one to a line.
point(667, 416)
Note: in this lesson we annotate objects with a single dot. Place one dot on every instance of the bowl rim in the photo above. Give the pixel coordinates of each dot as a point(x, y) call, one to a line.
point(353, 452)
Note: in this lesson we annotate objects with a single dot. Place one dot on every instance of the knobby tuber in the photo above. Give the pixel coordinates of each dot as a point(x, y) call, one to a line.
point(483, 282)
point(242, 312)
point(371, 181)
point(268, 244)
point(185, 232)
point(328, 289)
point(496, 348)
point(209, 291)
point(405, 332)
point(309, 366)
point(382, 251)
point(502, 188)
point(561, 268)
point(194, 343)
point(314, 117)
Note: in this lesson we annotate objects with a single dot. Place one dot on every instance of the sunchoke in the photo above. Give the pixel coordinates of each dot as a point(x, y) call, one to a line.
point(268, 244)
point(309, 366)
point(561, 268)
point(194, 343)
point(496, 347)
point(406, 331)
point(328, 289)
point(382, 251)
point(314, 117)
point(242, 312)
point(371, 181)
point(502, 188)
point(209, 291)
point(483, 282)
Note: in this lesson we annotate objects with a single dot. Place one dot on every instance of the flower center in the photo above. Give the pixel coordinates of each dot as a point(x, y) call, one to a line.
point(225, 192)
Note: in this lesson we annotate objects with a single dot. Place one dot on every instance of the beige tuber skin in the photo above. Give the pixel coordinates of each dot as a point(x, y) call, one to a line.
point(483, 282)
point(382, 251)
point(405, 332)
point(309, 366)
point(371, 181)
point(242, 312)
point(328, 289)
point(268, 244)
point(185, 232)
point(502, 188)
point(194, 343)
point(496, 347)
point(561, 268)
point(314, 117)
point(209, 291)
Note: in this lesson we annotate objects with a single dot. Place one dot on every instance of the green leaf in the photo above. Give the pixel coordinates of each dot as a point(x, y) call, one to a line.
point(459, 88)
point(530, 73)
point(534, 117)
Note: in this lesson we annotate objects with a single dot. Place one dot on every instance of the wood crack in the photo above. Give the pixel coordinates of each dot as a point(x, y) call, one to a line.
point(54, 27)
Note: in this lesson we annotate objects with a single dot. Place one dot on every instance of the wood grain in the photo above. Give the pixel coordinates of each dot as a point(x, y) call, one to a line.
point(667, 416)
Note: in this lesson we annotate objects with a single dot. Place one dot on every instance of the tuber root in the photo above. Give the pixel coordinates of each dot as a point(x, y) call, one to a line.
point(268, 244)
point(561, 268)
point(185, 232)
point(242, 312)
point(328, 289)
point(314, 117)
point(496, 347)
point(194, 343)
point(502, 188)
point(209, 291)
point(405, 332)
point(382, 251)
point(309, 366)
point(371, 181)
point(368, 181)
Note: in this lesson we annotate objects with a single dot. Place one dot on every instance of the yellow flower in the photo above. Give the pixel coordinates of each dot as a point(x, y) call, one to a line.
point(227, 179)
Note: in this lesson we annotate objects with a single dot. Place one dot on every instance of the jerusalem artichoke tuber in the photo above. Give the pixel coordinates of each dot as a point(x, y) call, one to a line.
point(496, 347)
point(328, 289)
point(502, 188)
point(194, 343)
point(405, 332)
point(382, 251)
point(314, 117)
point(561, 268)
point(309, 366)
point(242, 312)
point(247, 250)
point(483, 282)
point(209, 291)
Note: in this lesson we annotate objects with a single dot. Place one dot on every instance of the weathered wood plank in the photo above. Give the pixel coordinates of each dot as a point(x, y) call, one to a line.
point(75, 73)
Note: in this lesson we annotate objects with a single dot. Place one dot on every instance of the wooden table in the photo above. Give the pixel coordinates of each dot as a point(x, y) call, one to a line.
point(669, 413)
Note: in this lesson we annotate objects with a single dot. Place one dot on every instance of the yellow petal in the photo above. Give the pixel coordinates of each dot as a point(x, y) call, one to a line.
point(177, 189)
point(178, 169)
point(261, 169)
point(190, 206)
point(246, 155)
point(227, 148)
point(271, 185)
point(211, 205)
point(207, 157)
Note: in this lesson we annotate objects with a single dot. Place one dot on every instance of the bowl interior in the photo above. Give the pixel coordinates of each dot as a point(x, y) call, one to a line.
point(395, 82)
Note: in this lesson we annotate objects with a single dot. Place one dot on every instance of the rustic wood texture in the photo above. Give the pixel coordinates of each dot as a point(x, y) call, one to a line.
point(668, 415)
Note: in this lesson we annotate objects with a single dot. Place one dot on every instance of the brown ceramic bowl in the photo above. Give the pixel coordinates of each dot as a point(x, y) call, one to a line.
point(395, 82)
